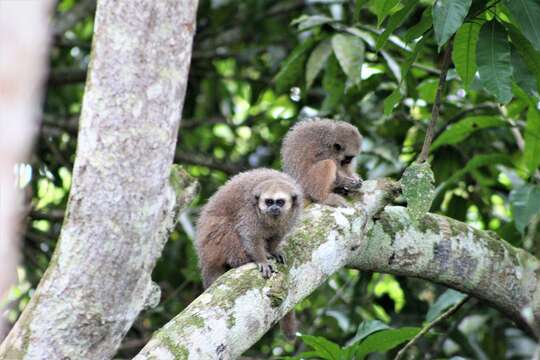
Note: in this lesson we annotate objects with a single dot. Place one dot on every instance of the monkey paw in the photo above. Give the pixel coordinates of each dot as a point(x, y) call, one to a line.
point(278, 256)
point(266, 269)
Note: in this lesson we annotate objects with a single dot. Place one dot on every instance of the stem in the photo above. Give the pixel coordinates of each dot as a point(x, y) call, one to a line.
point(437, 105)
point(429, 326)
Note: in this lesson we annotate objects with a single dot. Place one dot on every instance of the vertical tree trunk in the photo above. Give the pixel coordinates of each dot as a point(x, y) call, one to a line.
point(24, 39)
point(121, 204)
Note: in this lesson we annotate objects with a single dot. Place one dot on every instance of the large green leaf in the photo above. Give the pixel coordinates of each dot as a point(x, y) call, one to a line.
point(530, 57)
point(447, 299)
point(349, 51)
point(333, 83)
point(392, 100)
point(293, 67)
point(367, 328)
point(522, 75)
point(395, 21)
point(306, 22)
point(459, 131)
point(494, 61)
point(531, 153)
point(448, 15)
point(527, 15)
point(325, 348)
point(525, 204)
point(317, 60)
point(464, 52)
point(382, 8)
point(418, 189)
point(385, 340)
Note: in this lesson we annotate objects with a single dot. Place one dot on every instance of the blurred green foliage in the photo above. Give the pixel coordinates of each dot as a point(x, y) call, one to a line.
point(259, 66)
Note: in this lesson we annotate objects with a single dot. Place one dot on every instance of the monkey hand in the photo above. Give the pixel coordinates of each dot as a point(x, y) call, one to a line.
point(278, 255)
point(336, 201)
point(266, 269)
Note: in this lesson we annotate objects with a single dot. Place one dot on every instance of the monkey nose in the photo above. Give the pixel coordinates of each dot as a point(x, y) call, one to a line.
point(274, 210)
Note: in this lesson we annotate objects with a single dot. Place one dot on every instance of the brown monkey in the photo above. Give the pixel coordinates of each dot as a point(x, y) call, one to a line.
point(319, 154)
point(245, 221)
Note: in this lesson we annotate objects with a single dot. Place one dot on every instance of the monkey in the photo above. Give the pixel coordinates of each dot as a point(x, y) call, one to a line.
point(245, 221)
point(319, 154)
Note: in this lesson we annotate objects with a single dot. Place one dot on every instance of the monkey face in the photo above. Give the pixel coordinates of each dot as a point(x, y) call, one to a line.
point(275, 199)
point(346, 148)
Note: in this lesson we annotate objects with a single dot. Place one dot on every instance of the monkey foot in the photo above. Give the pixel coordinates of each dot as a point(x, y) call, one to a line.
point(278, 256)
point(266, 269)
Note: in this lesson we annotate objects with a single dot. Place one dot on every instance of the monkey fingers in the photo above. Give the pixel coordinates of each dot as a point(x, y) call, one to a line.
point(278, 256)
point(266, 269)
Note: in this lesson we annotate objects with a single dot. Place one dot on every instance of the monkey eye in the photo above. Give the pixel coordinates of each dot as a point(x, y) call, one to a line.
point(347, 160)
point(269, 202)
point(280, 202)
point(337, 147)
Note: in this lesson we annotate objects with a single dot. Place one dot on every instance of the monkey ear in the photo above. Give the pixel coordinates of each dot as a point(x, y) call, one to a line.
point(255, 199)
point(294, 198)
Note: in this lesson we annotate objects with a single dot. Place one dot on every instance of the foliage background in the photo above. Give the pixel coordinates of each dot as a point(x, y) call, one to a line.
point(259, 66)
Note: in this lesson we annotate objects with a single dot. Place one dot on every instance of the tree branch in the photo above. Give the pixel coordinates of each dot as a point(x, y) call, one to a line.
point(240, 306)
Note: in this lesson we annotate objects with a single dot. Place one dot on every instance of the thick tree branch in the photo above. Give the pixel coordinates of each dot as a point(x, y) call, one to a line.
point(240, 307)
point(122, 204)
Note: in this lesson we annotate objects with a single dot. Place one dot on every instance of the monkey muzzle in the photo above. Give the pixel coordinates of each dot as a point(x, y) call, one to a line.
point(274, 210)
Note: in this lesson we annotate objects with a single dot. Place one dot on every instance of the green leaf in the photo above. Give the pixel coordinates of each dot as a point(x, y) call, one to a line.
point(367, 328)
point(325, 348)
point(383, 8)
point(421, 27)
point(531, 153)
point(306, 22)
point(494, 61)
point(525, 204)
point(385, 340)
point(418, 190)
point(527, 15)
point(317, 60)
point(521, 74)
point(391, 101)
point(349, 51)
point(395, 21)
point(446, 300)
point(464, 52)
point(333, 83)
point(461, 130)
point(530, 57)
point(293, 67)
point(448, 15)
point(358, 5)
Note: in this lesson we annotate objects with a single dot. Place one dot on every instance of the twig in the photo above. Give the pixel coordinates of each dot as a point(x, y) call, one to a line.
point(437, 105)
point(429, 326)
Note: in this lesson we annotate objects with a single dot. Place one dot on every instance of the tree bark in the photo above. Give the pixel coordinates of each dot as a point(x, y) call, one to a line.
point(121, 204)
point(24, 39)
point(240, 307)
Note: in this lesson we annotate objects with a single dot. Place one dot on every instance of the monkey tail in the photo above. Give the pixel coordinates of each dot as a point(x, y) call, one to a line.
point(289, 325)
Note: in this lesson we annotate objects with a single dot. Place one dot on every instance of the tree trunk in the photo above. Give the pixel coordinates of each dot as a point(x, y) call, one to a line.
point(240, 306)
point(121, 204)
point(24, 39)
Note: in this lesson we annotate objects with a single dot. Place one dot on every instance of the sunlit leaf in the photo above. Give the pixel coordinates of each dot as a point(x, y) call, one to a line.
point(531, 153)
point(367, 328)
point(305, 22)
point(525, 204)
point(395, 21)
point(325, 348)
point(527, 15)
point(317, 60)
point(464, 52)
point(461, 130)
point(447, 299)
point(425, 23)
point(448, 15)
point(494, 61)
point(391, 101)
point(383, 8)
point(418, 189)
point(349, 51)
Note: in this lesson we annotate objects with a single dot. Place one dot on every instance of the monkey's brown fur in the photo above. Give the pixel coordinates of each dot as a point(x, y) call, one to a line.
point(319, 154)
point(245, 221)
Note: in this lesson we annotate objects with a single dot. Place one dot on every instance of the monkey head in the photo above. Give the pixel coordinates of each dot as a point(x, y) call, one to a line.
point(275, 198)
point(345, 147)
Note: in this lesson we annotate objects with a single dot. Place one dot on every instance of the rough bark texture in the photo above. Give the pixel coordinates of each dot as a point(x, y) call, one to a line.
point(457, 255)
point(121, 204)
point(24, 39)
point(240, 307)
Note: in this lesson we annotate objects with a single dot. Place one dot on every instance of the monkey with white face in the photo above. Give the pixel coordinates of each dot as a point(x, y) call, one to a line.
point(245, 221)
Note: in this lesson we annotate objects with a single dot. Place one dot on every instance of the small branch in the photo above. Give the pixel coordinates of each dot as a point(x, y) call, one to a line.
point(67, 76)
point(209, 162)
point(437, 105)
point(429, 326)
